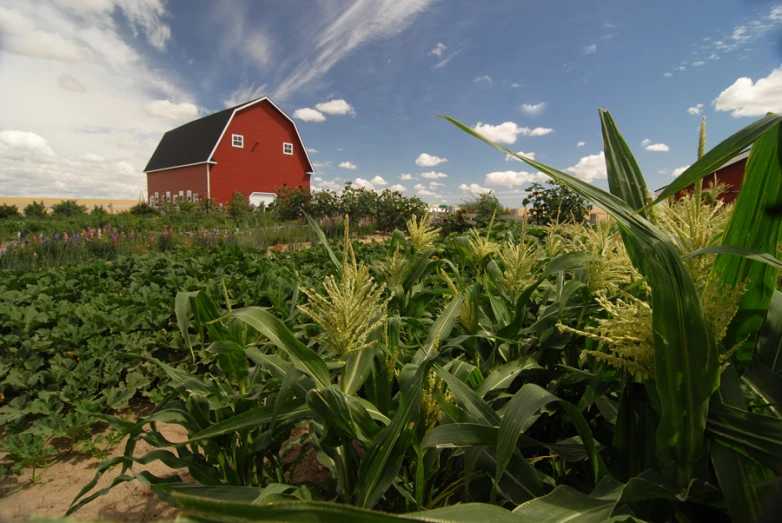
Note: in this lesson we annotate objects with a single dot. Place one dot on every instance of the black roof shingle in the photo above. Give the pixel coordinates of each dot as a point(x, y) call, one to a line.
point(192, 142)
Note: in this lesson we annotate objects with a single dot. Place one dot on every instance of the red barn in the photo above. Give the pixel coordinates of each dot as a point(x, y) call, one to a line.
point(731, 173)
point(253, 147)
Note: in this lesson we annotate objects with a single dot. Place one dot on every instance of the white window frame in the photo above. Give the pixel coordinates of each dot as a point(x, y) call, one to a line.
point(168, 196)
point(157, 197)
point(189, 195)
point(195, 198)
point(285, 145)
point(237, 140)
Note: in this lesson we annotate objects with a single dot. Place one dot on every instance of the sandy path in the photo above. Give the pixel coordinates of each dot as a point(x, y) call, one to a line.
point(58, 485)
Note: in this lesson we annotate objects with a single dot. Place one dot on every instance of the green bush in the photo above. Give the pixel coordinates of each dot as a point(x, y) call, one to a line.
point(68, 209)
point(555, 204)
point(35, 210)
point(8, 211)
point(143, 209)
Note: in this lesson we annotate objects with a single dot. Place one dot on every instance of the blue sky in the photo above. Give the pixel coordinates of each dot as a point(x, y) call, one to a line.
point(89, 86)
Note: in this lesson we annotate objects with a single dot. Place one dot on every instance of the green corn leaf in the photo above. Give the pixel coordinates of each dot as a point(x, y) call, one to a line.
point(722, 153)
point(477, 408)
point(624, 176)
point(302, 356)
point(769, 346)
point(443, 325)
point(752, 227)
point(417, 269)
point(454, 435)
point(751, 254)
point(565, 504)
point(321, 512)
point(756, 436)
point(322, 238)
point(502, 378)
point(686, 357)
point(524, 404)
point(358, 367)
point(232, 360)
point(253, 418)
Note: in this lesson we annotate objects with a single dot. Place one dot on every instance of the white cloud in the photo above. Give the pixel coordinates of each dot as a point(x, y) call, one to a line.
point(366, 184)
point(436, 184)
point(330, 185)
point(748, 98)
point(24, 144)
point(474, 188)
point(663, 171)
point(427, 160)
point(438, 49)
point(509, 158)
point(695, 110)
point(533, 109)
point(336, 107)
point(397, 188)
point(483, 78)
point(515, 85)
point(645, 142)
point(321, 165)
point(419, 187)
point(378, 180)
point(311, 150)
point(588, 168)
point(406, 177)
point(335, 32)
point(69, 83)
point(347, 165)
point(431, 175)
point(308, 114)
point(658, 147)
point(424, 192)
point(667, 75)
point(182, 112)
point(507, 132)
point(442, 63)
point(580, 144)
point(698, 63)
point(589, 49)
point(679, 170)
point(317, 179)
point(512, 178)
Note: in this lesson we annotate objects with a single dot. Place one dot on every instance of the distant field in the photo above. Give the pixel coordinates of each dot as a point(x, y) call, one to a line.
point(22, 202)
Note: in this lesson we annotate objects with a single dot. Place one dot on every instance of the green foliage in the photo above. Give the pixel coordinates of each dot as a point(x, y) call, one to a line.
point(8, 211)
point(238, 207)
point(555, 204)
point(143, 209)
point(98, 210)
point(68, 209)
point(35, 210)
point(485, 206)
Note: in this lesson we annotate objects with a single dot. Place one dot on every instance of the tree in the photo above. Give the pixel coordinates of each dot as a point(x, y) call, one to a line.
point(554, 204)
point(99, 210)
point(35, 210)
point(238, 207)
point(143, 209)
point(8, 211)
point(485, 206)
point(68, 209)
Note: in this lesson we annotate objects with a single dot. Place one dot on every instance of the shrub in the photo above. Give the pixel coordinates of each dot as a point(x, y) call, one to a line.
point(238, 207)
point(485, 206)
point(291, 202)
point(68, 209)
point(8, 211)
point(555, 204)
point(35, 210)
point(143, 209)
point(98, 210)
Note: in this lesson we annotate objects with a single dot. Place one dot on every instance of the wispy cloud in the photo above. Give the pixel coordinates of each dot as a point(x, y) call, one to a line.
point(507, 132)
point(589, 49)
point(438, 49)
point(338, 32)
point(695, 110)
point(348, 165)
point(484, 78)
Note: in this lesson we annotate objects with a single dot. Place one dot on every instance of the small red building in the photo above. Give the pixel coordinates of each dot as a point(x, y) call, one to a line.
point(253, 147)
point(731, 174)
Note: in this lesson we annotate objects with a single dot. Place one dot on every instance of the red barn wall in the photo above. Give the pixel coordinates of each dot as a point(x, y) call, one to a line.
point(260, 166)
point(178, 179)
point(732, 175)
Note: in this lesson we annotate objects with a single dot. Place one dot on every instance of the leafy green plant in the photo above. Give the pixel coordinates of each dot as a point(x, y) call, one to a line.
point(35, 210)
point(8, 211)
point(68, 209)
point(556, 203)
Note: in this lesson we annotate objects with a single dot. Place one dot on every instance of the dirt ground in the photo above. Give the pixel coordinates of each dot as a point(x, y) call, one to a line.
point(53, 493)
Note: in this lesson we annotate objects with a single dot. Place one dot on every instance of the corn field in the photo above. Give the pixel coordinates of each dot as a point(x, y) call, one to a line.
point(627, 371)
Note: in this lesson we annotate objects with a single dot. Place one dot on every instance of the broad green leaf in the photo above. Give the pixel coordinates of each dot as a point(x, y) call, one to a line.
point(769, 346)
point(443, 325)
point(686, 357)
point(232, 360)
point(722, 153)
point(751, 226)
point(454, 435)
point(476, 407)
point(766, 384)
point(294, 410)
point(624, 176)
point(502, 377)
point(524, 404)
point(754, 435)
point(751, 254)
point(302, 356)
point(565, 504)
point(358, 366)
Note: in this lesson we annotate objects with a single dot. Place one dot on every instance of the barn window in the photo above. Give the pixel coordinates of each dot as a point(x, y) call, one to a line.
point(168, 196)
point(189, 195)
point(237, 140)
point(287, 148)
point(157, 197)
point(195, 197)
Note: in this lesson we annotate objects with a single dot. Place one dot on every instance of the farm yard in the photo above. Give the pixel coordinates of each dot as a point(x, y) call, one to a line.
point(445, 370)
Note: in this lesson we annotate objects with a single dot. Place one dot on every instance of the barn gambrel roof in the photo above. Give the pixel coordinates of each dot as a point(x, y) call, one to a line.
point(195, 142)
